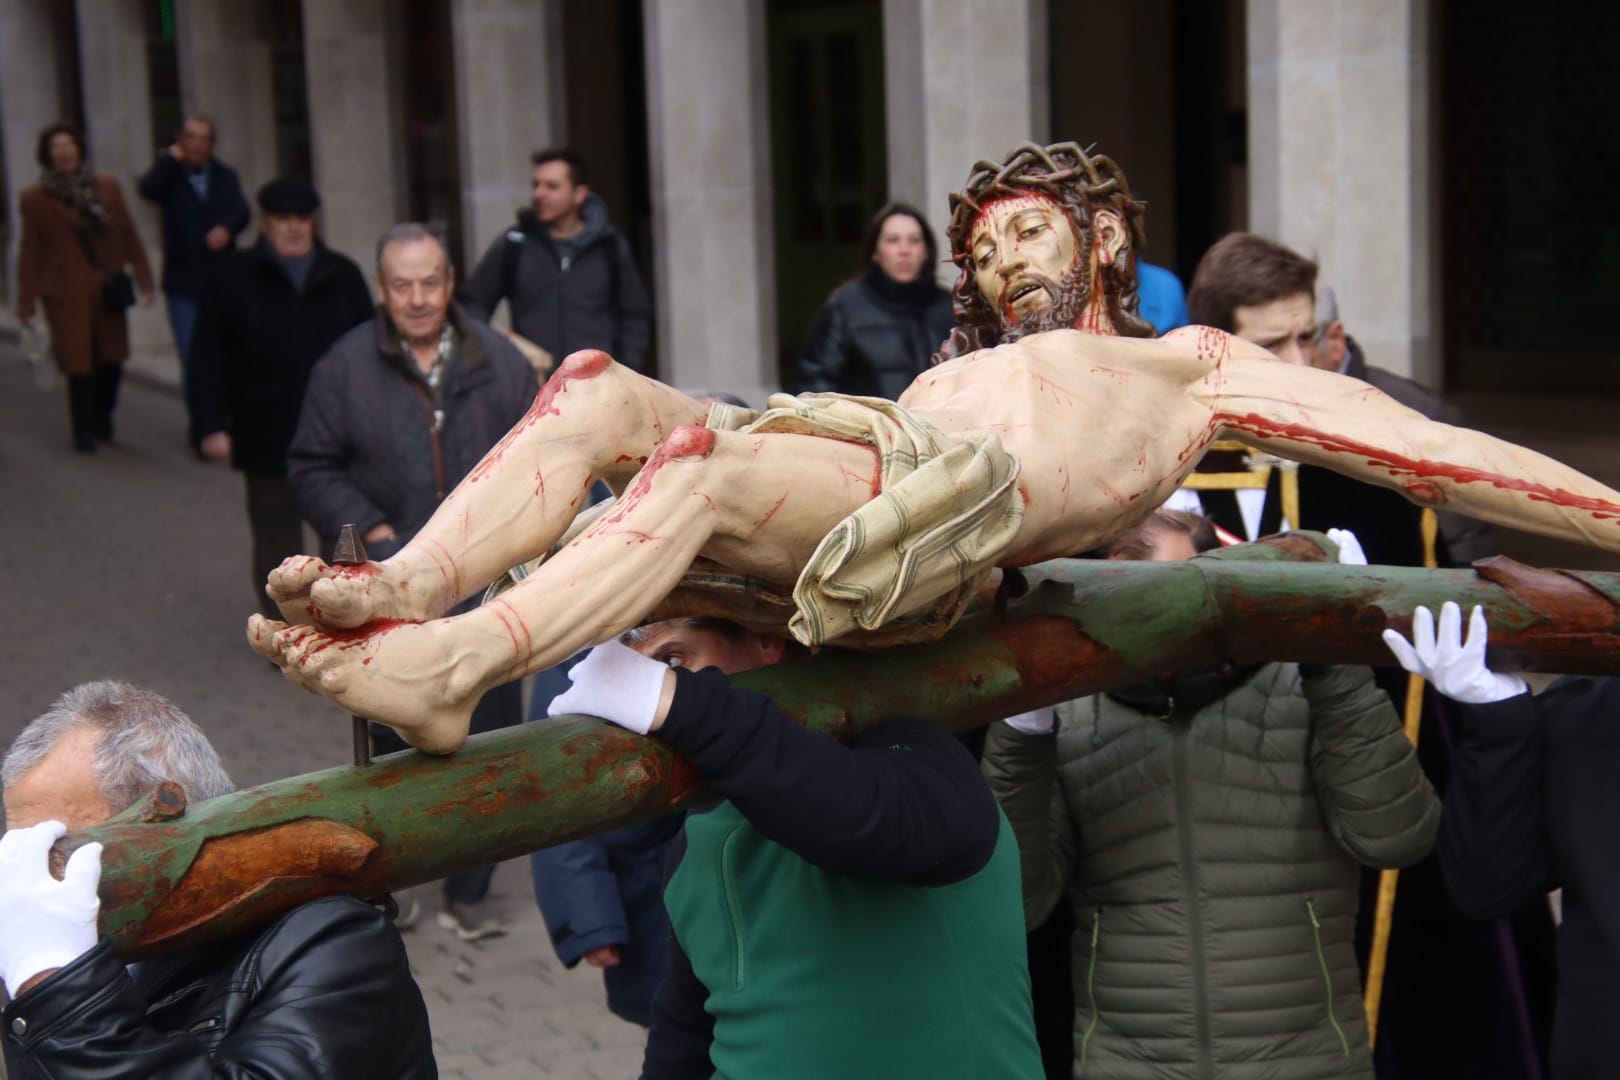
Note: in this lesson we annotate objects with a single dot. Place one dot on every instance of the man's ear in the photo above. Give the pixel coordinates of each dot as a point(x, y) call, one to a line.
point(1331, 349)
point(581, 192)
point(1108, 236)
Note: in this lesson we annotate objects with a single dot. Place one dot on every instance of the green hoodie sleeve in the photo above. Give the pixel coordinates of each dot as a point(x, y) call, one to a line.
point(1022, 772)
point(1375, 800)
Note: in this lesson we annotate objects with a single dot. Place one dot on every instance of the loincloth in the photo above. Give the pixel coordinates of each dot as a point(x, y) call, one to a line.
point(898, 570)
point(902, 567)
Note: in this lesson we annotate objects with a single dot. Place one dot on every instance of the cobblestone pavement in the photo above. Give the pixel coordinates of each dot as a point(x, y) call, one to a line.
point(133, 563)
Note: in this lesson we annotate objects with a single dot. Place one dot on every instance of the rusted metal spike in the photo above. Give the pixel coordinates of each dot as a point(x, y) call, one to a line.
point(350, 549)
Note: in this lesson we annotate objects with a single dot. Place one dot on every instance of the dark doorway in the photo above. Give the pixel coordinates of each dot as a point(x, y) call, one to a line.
point(162, 70)
point(829, 162)
point(1159, 86)
point(1529, 124)
point(428, 91)
point(605, 76)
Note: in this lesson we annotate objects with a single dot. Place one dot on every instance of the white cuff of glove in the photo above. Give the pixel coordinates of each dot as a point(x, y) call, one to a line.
point(46, 923)
point(1037, 722)
point(615, 683)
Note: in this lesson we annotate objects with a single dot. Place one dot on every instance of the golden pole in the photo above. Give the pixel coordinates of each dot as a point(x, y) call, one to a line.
point(1384, 918)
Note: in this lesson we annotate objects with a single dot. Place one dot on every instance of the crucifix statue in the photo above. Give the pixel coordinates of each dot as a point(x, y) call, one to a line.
point(1053, 421)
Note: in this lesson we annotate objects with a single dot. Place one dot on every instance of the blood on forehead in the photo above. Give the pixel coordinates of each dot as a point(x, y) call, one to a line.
point(1007, 205)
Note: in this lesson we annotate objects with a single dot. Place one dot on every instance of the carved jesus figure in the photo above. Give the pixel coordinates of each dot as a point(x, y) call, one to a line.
point(1053, 418)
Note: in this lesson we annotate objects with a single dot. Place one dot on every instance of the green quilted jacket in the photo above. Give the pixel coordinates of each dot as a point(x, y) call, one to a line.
point(1210, 839)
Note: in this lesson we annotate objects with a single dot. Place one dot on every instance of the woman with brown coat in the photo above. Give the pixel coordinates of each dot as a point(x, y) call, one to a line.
point(77, 237)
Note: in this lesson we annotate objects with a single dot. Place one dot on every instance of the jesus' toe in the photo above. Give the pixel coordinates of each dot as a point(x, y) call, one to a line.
point(261, 635)
point(288, 584)
point(353, 597)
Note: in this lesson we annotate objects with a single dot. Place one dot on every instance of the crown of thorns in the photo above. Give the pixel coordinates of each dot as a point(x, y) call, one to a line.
point(1063, 172)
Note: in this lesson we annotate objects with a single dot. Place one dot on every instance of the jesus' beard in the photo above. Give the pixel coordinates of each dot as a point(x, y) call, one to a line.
point(1066, 302)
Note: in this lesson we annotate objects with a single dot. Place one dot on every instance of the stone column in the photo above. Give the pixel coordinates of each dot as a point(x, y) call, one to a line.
point(964, 80)
point(359, 168)
point(28, 101)
point(509, 102)
point(1339, 137)
point(225, 74)
point(117, 110)
point(707, 106)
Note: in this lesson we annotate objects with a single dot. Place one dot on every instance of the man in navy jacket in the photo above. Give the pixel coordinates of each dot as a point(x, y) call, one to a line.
point(203, 211)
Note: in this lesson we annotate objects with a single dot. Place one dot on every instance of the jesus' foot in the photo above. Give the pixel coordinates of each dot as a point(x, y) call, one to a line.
point(307, 590)
point(407, 675)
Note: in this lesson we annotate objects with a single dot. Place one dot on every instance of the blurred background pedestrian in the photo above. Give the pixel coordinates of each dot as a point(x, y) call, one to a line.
point(77, 248)
point(265, 315)
point(876, 332)
point(203, 211)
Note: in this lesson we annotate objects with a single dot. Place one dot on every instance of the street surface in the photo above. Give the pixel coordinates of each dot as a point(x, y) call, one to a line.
point(132, 563)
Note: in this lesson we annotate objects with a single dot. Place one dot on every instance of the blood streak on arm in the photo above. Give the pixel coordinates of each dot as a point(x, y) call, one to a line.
point(1421, 470)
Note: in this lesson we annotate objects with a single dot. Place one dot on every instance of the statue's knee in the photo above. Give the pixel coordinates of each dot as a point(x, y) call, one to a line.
point(584, 364)
point(580, 366)
point(686, 441)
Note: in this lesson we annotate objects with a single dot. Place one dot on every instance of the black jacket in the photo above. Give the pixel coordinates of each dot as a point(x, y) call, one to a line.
point(874, 336)
point(1532, 807)
point(367, 450)
point(187, 219)
point(908, 805)
point(257, 338)
point(325, 991)
point(593, 300)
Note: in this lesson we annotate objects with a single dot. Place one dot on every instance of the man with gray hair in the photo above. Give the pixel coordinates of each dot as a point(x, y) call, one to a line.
point(324, 991)
point(397, 412)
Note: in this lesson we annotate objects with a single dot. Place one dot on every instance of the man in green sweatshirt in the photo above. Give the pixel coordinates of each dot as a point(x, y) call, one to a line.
point(848, 911)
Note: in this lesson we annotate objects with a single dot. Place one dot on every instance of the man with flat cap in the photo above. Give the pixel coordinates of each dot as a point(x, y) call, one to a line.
point(266, 314)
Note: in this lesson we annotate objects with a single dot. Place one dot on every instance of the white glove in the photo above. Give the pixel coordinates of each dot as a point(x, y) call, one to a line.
point(616, 683)
point(1350, 553)
point(1455, 667)
point(1039, 722)
point(46, 923)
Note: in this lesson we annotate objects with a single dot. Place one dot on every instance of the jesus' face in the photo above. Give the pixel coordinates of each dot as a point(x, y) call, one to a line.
point(1022, 247)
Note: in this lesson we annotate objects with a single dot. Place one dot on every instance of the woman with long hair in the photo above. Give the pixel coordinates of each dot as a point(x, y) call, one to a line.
point(77, 241)
point(876, 333)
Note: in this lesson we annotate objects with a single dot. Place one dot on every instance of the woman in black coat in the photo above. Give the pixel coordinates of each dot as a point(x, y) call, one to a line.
point(876, 333)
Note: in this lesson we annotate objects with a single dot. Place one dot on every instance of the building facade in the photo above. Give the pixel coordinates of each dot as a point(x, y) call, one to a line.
point(742, 145)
